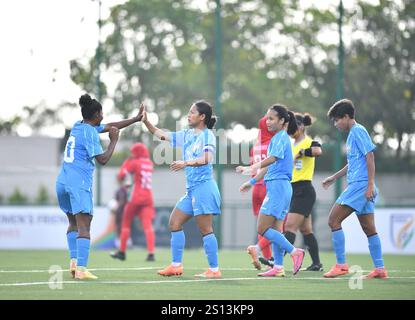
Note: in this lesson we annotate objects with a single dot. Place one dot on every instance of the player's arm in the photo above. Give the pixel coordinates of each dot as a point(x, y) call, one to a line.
point(247, 185)
point(313, 151)
point(198, 162)
point(154, 130)
point(125, 123)
point(247, 170)
point(370, 164)
point(329, 181)
point(106, 156)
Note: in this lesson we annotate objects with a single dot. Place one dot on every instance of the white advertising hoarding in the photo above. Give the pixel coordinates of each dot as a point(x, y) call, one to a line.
point(395, 226)
point(42, 227)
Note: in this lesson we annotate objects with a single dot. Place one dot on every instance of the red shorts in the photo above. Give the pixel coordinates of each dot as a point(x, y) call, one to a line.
point(258, 194)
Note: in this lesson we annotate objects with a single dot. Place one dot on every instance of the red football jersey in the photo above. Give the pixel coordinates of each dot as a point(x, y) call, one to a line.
point(137, 171)
point(260, 150)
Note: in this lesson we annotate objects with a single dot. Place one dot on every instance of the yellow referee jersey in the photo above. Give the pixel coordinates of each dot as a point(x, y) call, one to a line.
point(303, 166)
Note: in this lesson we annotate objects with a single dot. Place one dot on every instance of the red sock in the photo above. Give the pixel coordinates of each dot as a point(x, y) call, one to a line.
point(265, 246)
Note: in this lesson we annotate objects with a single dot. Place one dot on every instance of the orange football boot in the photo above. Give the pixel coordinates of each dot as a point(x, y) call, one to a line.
point(379, 273)
point(337, 270)
point(171, 271)
point(209, 274)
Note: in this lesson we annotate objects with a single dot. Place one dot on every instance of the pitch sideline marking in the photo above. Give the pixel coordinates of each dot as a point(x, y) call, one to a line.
point(157, 268)
point(18, 284)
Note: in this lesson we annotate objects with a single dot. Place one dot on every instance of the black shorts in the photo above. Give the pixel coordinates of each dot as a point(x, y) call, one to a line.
point(303, 198)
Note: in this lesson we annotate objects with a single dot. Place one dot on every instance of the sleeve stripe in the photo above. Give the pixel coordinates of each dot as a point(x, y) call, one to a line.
point(209, 148)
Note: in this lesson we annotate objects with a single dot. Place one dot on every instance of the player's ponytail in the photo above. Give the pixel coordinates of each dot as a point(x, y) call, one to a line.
point(89, 106)
point(304, 119)
point(205, 108)
point(288, 116)
point(292, 123)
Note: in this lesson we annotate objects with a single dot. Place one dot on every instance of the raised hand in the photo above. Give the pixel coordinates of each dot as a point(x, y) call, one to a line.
point(114, 133)
point(141, 111)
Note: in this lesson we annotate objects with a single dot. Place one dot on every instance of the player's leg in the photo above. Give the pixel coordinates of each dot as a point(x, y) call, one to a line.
point(82, 204)
point(177, 219)
point(367, 222)
point(146, 215)
point(83, 242)
point(292, 224)
point(311, 243)
point(130, 210)
point(71, 236)
point(259, 192)
point(210, 245)
point(337, 214)
point(206, 204)
point(72, 231)
point(269, 227)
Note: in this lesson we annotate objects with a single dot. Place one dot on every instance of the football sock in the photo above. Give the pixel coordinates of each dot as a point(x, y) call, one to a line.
point(210, 244)
point(83, 245)
point(375, 249)
point(71, 238)
point(278, 255)
point(278, 238)
point(177, 243)
point(312, 246)
point(290, 236)
point(339, 245)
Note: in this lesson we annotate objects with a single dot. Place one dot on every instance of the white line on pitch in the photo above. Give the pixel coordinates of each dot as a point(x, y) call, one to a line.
point(157, 268)
point(18, 284)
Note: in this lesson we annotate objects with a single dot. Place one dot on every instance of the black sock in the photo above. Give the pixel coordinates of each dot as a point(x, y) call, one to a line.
point(312, 246)
point(290, 236)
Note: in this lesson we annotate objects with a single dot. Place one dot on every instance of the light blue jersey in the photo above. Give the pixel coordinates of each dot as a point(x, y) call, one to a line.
point(194, 145)
point(202, 194)
point(359, 144)
point(78, 161)
point(280, 148)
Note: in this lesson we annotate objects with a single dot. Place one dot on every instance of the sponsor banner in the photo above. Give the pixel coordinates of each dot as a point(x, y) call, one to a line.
point(42, 227)
point(24, 227)
point(395, 226)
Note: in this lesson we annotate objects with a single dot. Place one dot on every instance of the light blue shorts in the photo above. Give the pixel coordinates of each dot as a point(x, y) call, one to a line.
point(201, 199)
point(278, 198)
point(354, 197)
point(74, 200)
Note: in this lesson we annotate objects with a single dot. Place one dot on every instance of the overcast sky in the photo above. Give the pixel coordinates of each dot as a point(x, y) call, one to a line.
point(39, 38)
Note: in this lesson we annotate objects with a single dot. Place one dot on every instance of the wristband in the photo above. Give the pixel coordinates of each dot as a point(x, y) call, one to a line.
point(308, 152)
point(252, 181)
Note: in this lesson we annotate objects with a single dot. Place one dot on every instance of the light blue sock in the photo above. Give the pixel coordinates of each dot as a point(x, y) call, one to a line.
point(339, 246)
point(278, 253)
point(83, 245)
point(177, 243)
point(375, 249)
point(278, 238)
point(71, 238)
point(210, 244)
